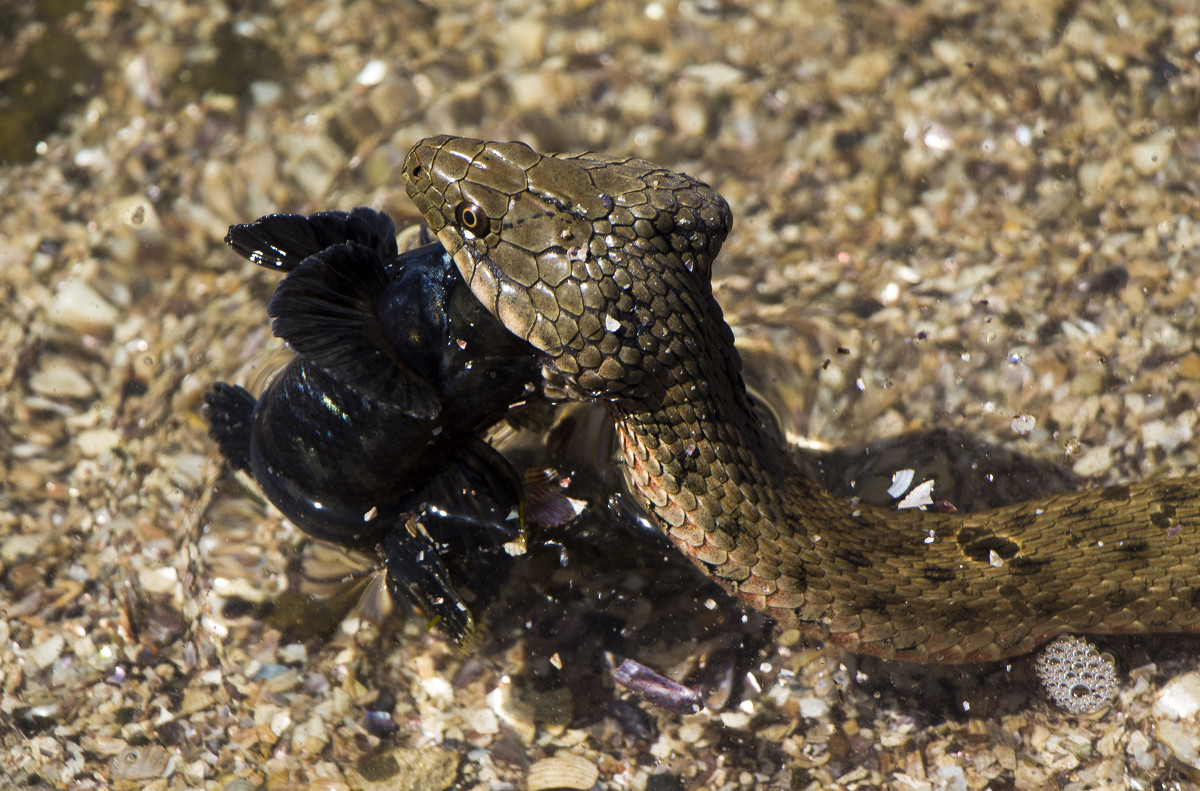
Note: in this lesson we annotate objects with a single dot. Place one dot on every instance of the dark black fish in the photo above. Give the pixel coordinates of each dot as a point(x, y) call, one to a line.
point(371, 435)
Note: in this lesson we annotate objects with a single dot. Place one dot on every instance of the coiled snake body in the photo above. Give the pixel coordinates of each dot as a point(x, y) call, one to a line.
point(603, 264)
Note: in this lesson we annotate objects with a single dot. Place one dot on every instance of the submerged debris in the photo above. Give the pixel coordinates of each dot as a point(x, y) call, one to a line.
point(657, 689)
point(1078, 678)
point(564, 770)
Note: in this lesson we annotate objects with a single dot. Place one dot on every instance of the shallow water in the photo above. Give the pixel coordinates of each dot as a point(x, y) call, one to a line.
point(977, 223)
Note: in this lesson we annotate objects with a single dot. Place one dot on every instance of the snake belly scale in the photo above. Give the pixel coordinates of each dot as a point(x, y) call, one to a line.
point(603, 264)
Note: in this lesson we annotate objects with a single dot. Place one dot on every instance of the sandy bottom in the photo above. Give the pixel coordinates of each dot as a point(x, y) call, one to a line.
point(979, 223)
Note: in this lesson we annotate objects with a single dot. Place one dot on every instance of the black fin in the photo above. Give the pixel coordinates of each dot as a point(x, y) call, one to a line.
point(467, 516)
point(282, 241)
point(475, 497)
point(546, 500)
point(327, 309)
point(415, 569)
point(230, 412)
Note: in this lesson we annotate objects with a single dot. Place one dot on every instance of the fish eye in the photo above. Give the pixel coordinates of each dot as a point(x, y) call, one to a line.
point(470, 217)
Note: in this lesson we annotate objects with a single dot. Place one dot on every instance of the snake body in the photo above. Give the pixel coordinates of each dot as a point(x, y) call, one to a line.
point(603, 264)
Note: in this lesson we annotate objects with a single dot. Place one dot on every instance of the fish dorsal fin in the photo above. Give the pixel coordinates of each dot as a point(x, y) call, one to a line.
point(327, 309)
point(282, 241)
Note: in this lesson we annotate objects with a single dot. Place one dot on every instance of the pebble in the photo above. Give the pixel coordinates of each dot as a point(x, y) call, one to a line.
point(1177, 721)
point(406, 769)
point(163, 579)
point(863, 73)
point(691, 731)
point(57, 377)
point(482, 721)
point(1023, 424)
point(141, 763)
point(813, 708)
point(1169, 435)
point(78, 306)
point(13, 548)
point(1094, 462)
point(1151, 156)
point(1179, 698)
point(1180, 741)
point(311, 736)
point(47, 651)
point(97, 441)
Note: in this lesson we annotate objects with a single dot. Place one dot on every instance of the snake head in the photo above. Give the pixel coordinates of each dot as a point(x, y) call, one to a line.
point(585, 256)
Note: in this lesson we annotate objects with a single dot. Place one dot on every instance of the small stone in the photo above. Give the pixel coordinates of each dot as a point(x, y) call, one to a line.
point(186, 469)
point(406, 769)
point(97, 441)
point(137, 214)
point(1180, 741)
point(58, 378)
point(516, 714)
point(47, 652)
point(195, 699)
point(311, 736)
point(691, 732)
point(80, 307)
point(144, 762)
point(813, 708)
point(949, 52)
point(1169, 435)
point(1094, 462)
point(482, 721)
point(863, 73)
point(13, 548)
point(1149, 156)
point(1179, 698)
point(163, 579)
point(1189, 366)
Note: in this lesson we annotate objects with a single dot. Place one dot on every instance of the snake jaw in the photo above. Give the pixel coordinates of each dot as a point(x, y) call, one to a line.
point(564, 232)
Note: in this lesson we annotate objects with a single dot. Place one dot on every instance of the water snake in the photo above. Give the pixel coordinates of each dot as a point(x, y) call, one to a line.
point(603, 264)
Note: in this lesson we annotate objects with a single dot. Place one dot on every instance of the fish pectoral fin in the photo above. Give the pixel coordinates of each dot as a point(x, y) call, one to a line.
point(475, 497)
point(230, 411)
point(415, 569)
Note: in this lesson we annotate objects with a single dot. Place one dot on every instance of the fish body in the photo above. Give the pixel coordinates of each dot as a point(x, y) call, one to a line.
point(371, 434)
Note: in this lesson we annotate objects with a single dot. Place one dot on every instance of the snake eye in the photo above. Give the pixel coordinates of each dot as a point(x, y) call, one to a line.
point(470, 217)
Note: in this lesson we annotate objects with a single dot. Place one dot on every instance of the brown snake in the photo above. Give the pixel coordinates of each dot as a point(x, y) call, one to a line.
point(603, 264)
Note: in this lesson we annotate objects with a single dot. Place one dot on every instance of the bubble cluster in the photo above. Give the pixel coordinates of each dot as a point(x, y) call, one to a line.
point(1076, 676)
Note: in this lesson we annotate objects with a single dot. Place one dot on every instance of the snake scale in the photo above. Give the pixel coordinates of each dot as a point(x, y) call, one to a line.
point(603, 264)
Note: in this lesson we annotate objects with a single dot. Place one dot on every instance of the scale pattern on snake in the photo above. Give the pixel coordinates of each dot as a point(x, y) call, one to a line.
point(603, 264)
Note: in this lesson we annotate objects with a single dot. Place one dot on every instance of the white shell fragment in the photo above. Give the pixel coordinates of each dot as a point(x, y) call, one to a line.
point(1023, 424)
point(564, 770)
point(920, 496)
point(901, 480)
